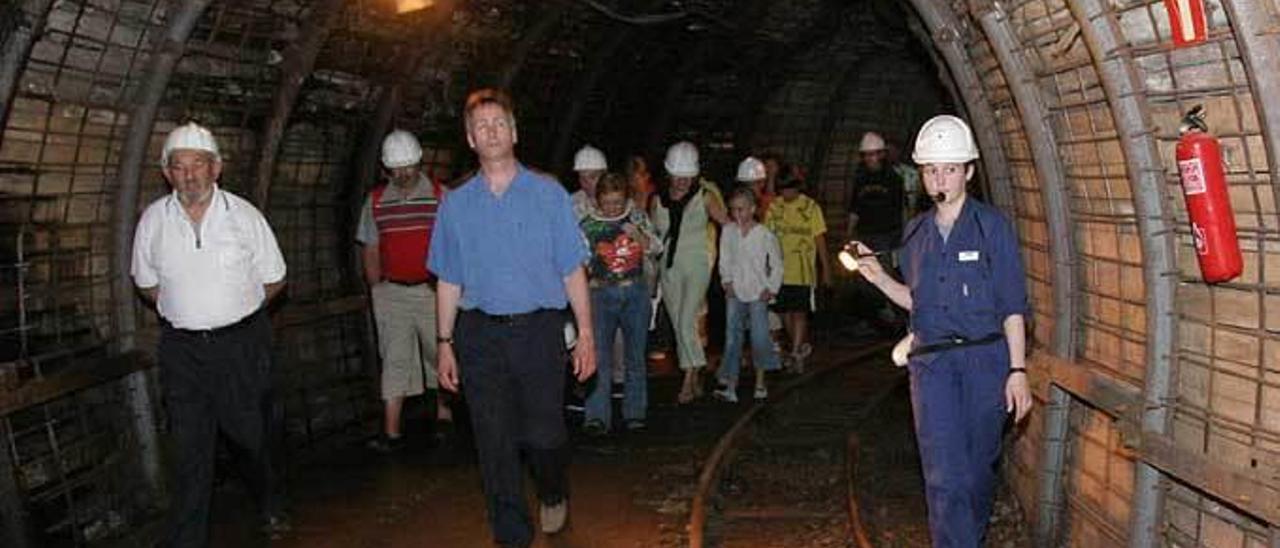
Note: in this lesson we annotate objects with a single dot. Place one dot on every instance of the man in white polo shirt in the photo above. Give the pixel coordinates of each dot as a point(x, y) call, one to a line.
point(209, 262)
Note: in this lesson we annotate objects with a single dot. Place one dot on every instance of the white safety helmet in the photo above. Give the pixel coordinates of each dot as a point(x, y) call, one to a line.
point(751, 169)
point(191, 136)
point(589, 158)
point(945, 139)
point(400, 149)
point(682, 160)
point(871, 142)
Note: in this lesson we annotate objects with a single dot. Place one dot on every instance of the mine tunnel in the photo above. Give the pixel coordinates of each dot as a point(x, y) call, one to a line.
point(1155, 384)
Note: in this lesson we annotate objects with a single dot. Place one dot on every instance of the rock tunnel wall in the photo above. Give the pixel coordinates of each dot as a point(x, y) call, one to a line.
point(1159, 415)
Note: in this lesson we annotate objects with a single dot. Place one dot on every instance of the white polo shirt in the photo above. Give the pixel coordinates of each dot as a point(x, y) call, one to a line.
point(208, 276)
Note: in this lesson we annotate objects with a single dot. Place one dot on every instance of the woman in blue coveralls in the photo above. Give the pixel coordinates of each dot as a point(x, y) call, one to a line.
point(967, 295)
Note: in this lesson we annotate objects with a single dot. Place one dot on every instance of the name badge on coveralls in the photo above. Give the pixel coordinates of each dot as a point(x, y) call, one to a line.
point(968, 256)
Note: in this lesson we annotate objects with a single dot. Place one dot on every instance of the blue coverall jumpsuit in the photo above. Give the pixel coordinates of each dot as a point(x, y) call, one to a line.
point(963, 286)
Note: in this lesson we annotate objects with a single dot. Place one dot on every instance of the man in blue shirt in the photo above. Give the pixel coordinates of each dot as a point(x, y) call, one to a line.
point(509, 256)
point(966, 290)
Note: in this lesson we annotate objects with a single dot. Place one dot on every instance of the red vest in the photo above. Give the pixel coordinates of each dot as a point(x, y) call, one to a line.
point(404, 234)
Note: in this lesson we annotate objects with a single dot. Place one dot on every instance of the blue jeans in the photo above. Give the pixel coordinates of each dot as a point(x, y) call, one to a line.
point(614, 307)
point(743, 316)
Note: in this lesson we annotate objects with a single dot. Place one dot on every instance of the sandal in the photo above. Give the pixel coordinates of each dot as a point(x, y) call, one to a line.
point(687, 391)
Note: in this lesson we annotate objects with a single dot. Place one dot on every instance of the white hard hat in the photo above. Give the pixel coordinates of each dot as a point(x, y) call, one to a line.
point(589, 158)
point(871, 142)
point(751, 169)
point(191, 136)
point(682, 160)
point(945, 139)
point(400, 149)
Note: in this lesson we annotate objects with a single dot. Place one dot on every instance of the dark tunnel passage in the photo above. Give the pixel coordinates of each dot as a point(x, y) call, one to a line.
point(1157, 393)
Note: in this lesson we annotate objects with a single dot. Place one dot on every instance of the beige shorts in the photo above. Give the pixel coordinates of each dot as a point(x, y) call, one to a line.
point(406, 320)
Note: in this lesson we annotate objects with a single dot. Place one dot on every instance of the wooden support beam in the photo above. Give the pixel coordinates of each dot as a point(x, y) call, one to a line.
point(86, 374)
point(1244, 489)
point(299, 61)
point(90, 372)
point(26, 23)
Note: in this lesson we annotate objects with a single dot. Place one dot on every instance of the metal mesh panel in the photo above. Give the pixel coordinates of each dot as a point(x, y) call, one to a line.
point(58, 163)
point(1113, 305)
point(1226, 384)
point(72, 460)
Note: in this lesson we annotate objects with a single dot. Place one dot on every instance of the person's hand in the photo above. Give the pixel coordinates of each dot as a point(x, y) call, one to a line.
point(766, 296)
point(584, 357)
point(447, 367)
point(901, 354)
point(728, 291)
point(1017, 396)
point(826, 278)
point(868, 264)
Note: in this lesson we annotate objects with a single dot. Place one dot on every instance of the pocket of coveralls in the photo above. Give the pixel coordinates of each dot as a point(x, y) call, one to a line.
point(975, 289)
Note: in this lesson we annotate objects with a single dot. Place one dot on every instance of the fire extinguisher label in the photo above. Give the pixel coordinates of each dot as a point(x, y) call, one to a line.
point(1197, 236)
point(1192, 176)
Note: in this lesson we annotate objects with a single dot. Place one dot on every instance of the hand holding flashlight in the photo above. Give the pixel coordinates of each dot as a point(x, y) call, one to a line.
point(856, 256)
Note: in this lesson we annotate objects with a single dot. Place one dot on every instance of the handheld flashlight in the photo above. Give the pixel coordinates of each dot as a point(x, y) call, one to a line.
point(849, 256)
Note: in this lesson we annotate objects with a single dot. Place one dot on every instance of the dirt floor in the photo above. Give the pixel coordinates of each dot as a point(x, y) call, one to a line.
point(628, 490)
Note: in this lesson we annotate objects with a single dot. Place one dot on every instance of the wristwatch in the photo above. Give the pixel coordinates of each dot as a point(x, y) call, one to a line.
point(444, 340)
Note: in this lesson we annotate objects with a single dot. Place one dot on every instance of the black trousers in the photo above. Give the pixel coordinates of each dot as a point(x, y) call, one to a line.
point(512, 372)
point(219, 380)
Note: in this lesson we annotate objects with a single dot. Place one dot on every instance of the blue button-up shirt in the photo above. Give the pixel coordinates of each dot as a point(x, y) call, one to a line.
point(970, 283)
point(509, 253)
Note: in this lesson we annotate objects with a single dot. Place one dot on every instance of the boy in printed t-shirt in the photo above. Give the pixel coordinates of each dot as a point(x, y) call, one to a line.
point(798, 223)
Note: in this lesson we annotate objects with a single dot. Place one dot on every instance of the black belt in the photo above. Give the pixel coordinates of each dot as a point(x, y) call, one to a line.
point(952, 342)
point(509, 319)
point(216, 331)
point(405, 283)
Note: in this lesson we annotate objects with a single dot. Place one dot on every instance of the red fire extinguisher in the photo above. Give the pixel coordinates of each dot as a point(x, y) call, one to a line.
point(1204, 185)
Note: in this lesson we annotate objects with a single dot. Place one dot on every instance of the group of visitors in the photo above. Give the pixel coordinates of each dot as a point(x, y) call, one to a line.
point(472, 288)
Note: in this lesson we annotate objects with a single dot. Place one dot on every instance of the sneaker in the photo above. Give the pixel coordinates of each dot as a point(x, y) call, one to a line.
point(657, 355)
point(386, 444)
point(726, 394)
point(635, 425)
point(595, 428)
point(554, 516)
point(762, 393)
point(276, 525)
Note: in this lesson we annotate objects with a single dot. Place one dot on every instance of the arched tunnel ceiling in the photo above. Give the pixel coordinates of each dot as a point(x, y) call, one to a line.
point(625, 73)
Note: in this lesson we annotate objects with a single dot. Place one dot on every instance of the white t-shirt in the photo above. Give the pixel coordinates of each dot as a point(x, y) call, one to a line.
point(208, 276)
point(752, 263)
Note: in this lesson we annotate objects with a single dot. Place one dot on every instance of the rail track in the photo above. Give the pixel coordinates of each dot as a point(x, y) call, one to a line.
point(784, 473)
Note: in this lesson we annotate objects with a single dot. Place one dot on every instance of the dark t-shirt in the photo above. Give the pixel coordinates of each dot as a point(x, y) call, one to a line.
point(877, 199)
